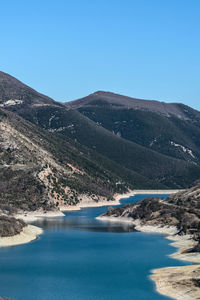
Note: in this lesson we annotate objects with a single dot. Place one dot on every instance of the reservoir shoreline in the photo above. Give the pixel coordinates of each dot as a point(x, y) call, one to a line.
point(169, 281)
point(29, 233)
point(181, 283)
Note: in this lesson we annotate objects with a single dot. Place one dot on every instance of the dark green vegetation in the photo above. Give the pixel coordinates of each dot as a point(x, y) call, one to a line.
point(13, 89)
point(170, 129)
point(196, 282)
point(43, 169)
point(144, 162)
point(181, 210)
point(147, 167)
point(10, 226)
point(51, 154)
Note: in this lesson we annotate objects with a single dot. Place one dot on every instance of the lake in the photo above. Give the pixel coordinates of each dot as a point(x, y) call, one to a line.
point(81, 258)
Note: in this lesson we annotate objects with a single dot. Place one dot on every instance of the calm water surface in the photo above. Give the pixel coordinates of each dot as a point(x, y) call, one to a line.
point(80, 258)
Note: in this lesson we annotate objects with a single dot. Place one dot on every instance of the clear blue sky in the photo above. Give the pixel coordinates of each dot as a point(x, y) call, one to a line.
point(67, 49)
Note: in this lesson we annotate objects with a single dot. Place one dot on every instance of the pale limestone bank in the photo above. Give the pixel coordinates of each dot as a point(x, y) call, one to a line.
point(164, 192)
point(174, 218)
point(181, 283)
point(167, 230)
point(28, 234)
point(89, 202)
point(29, 216)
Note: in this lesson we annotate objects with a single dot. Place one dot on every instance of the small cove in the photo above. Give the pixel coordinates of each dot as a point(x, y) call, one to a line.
point(79, 257)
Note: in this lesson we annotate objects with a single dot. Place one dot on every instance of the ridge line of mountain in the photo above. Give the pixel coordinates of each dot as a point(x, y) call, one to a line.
point(62, 156)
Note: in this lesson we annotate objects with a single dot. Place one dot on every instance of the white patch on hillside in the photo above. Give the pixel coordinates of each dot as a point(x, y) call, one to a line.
point(50, 119)
point(57, 129)
point(184, 149)
point(71, 126)
point(11, 102)
point(152, 142)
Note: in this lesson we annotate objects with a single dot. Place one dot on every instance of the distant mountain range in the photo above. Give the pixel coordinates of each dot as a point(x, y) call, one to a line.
point(95, 146)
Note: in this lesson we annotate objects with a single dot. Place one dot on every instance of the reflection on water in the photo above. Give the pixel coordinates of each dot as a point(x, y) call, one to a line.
point(81, 258)
point(82, 223)
point(85, 219)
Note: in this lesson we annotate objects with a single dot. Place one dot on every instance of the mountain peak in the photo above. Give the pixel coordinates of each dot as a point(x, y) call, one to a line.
point(117, 101)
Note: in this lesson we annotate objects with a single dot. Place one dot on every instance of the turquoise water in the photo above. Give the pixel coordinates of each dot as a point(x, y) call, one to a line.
point(80, 258)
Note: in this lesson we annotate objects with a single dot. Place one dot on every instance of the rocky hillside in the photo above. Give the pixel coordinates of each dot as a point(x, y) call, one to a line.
point(52, 155)
point(172, 129)
point(15, 94)
point(120, 102)
point(161, 169)
point(181, 210)
point(39, 169)
point(155, 168)
point(10, 226)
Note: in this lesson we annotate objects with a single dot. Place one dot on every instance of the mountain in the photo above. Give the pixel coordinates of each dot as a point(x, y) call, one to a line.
point(40, 169)
point(120, 102)
point(172, 129)
point(14, 93)
point(131, 161)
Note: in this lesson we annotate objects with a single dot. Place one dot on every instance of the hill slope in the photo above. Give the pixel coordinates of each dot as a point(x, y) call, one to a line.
point(120, 102)
point(138, 160)
point(42, 170)
point(169, 128)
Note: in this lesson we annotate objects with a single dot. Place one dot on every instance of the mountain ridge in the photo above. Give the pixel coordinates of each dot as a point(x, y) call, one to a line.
point(13, 89)
point(120, 101)
point(171, 135)
point(41, 170)
point(73, 125)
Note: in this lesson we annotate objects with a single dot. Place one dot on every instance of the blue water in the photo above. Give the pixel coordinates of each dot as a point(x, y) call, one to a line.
point(80, 258)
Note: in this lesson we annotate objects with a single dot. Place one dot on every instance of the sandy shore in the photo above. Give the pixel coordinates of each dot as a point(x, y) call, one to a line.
point(176, 282)
point(28, 234)
point(184, 243)
point(166, 230)
point(86, 204)
point(181, 283)
point(91, 203)
point(117, 198)
point(31, 232)
point(28, 216)
point(156, 191)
